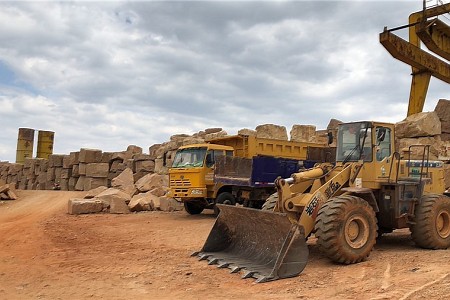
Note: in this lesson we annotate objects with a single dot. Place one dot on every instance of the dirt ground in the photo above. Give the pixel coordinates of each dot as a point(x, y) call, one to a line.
point(47, 254)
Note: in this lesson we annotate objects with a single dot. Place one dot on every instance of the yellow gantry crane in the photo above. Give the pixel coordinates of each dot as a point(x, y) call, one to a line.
point(424, 26)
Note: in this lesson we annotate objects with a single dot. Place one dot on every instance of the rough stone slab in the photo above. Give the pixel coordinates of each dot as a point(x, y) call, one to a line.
point(92, 183)
point(51, 173)
point(145, 165)
point(125, 182)
point(118, 206)
point(115, 199)
point(82, 169)
point(247, 132)
point(80, 183)
point(303, 133)
point(193, 140)
point(211, 136)
point(97, 170)
point(271, 131)
point(66, 162)
point(417, 152)
point(113, 193)
point(66, 173)
point(169, 204)
point(442, 109)
point(84, 206)
point(159, 191)
point(72, 183)
point(153, 149)
point(139, 175)
point(75, 171)
point(142, 202)
point(94, 192)
point(133, 149)
point(107, 157)
point(55, 160)
point(151, 181)
point(90, 155)
point(419, 125)
point(74, 158)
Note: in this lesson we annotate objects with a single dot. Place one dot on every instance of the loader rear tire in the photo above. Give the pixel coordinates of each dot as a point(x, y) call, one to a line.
point(432, 222)
point(193, 207)
point(271, 202)
point(346, 229)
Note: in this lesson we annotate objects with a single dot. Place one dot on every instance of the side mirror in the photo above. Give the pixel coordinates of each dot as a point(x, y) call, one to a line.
point(330, 138)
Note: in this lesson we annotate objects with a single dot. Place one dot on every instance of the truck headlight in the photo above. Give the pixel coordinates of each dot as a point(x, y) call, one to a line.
point(196, 192)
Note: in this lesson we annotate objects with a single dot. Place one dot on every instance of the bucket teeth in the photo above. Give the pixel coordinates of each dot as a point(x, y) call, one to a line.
point(235, 269)
point(248, 274)
point(223, 265)
point(213, 261)
point(203, 256)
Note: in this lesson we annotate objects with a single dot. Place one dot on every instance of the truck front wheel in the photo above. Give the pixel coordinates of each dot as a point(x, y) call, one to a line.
point(193, 207)
point(224, 198)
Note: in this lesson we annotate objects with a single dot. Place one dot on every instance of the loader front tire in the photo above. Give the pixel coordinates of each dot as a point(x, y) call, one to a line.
point(271, 202)
point(193, 207)
point(432, 222)
point(346, 229)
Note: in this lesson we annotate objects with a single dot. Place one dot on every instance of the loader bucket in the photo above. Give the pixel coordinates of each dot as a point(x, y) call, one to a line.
point(263, 244)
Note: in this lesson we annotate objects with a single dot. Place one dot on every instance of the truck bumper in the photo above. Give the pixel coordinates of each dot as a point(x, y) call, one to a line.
point(187, 193)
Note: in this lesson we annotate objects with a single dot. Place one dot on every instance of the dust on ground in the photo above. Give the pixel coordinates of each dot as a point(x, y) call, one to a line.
point(47, 254)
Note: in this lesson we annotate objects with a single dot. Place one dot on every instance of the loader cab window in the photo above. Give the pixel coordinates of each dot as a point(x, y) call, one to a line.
point(383, 143)
point(354, 142)
point(189, 158)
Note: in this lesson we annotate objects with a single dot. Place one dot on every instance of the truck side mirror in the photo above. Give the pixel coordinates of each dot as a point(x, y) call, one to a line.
point(330, 138)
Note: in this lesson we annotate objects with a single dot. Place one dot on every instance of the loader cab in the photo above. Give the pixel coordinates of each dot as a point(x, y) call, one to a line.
point(365, 141)
point(354, 142)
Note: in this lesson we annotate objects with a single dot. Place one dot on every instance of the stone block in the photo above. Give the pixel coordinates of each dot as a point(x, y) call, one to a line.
point(80, 183)
point(55, 160)
point(247, 132)
point(271, 131)
point(67, 162)
point(142, 202)
point(94, 192)
point(50, 174)
point(145, 165)
point(90, 155)
point(107, 157)
point(76, 170)
point(151, 181)
point(74, 158)
point(82, 169)
point(170, 204)
point(443, 111)
point(84, 206)
point(303, 133)
point(419, 125)
point(66, 173)
point(125, 182)
point(100, 170)
point(115, 199)
point(72, 183)
point(92, 183)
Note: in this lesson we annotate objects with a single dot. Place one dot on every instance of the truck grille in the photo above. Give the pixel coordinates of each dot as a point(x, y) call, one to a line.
point(180, 182)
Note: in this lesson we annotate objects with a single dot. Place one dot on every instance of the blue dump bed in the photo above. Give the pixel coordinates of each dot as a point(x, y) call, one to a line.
point(259, 171)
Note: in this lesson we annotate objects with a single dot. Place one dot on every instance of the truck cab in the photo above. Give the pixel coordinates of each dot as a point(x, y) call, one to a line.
point(191, 177)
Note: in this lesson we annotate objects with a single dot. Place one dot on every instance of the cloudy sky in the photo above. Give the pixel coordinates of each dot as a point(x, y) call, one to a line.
point(113, 73)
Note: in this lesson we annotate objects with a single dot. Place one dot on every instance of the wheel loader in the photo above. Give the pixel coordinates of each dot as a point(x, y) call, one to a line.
point(370, 190)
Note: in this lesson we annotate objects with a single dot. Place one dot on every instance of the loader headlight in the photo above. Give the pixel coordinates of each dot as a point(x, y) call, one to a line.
point(196, 192)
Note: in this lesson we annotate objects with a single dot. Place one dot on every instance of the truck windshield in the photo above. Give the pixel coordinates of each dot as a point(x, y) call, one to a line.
point(354, 142)
point(189, 158)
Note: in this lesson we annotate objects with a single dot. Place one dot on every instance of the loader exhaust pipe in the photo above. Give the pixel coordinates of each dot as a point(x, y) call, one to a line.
point(263, 244)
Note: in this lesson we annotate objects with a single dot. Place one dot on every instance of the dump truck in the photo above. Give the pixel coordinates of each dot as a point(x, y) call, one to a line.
point(237, 169)
point(370, 190)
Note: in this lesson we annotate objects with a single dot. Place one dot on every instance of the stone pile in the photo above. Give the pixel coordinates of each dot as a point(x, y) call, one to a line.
point(427, 128)
point(7, 191)
point(125, 196)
